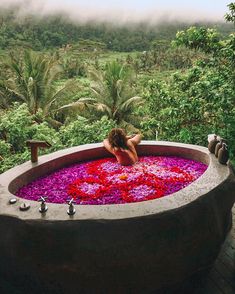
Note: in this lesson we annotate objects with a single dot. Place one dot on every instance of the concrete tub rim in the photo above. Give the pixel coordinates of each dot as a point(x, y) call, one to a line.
point(215, 175)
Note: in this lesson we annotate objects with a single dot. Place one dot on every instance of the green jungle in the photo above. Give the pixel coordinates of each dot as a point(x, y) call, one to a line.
point(70, 84)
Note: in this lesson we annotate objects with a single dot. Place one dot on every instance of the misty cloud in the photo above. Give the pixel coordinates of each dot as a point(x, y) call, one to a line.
point(81, 12)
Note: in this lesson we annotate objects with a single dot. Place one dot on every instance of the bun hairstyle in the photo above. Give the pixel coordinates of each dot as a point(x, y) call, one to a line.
point(117, 138)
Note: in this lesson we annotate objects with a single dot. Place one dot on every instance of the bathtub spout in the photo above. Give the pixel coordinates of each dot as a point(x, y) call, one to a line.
point(34, 145)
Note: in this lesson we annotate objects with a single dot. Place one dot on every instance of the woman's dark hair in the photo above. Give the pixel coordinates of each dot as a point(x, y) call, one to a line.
point(117, 138)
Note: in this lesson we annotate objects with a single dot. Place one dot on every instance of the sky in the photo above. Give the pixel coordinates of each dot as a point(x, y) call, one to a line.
point(125, 10)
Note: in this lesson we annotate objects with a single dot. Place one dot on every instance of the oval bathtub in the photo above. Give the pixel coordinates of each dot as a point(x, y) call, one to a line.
point(120, 248)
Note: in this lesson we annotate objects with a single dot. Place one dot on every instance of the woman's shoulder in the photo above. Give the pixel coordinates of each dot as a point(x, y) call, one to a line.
point(130, 144)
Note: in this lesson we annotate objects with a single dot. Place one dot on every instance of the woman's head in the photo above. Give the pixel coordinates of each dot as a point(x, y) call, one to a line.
point(117, 138)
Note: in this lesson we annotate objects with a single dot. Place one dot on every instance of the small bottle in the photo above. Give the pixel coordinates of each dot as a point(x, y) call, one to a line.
point(223, 154)
point(212, 144)
point(218, 146)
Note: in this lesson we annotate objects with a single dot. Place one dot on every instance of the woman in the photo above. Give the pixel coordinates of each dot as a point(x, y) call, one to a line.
point(122, 146)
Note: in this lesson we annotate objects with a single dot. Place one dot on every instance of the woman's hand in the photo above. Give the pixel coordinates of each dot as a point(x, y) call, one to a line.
point(130, 136)
point(136, 138)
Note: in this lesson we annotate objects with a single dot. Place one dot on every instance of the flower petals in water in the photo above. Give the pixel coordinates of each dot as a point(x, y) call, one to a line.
point(104, 181)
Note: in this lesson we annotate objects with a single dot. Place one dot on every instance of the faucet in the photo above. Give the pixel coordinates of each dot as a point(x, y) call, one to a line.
point(43, 207)
point(34, 145)
point(71, 210)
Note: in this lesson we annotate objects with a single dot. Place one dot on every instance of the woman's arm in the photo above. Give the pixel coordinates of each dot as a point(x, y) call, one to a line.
point(136, 139)
point(107, 146)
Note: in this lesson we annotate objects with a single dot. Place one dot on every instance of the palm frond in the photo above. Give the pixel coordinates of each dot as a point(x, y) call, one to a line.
point(131, 103)
point(78, 105)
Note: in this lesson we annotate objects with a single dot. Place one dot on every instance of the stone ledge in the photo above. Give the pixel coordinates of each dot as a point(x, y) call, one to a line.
point(11, 180)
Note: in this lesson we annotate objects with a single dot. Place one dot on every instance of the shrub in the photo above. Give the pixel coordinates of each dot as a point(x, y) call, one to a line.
point(82, 131)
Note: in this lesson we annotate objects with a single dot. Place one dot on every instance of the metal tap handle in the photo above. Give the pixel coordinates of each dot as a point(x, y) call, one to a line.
point(71, 201)
point(43, 199)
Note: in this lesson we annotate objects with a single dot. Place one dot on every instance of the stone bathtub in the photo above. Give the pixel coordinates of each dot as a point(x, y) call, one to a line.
point(127, 248)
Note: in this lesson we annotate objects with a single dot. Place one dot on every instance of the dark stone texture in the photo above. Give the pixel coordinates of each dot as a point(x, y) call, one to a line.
point(132, 248)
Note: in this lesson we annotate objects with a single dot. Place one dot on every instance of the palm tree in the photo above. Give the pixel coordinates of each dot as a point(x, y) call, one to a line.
point(112, 90)
point(34, 83)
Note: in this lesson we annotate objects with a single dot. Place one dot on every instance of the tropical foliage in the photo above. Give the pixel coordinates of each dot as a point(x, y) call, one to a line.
point(32, 81)
point(200, 101)
point(112, 91)
point(76, 94)
point(47, 33)
point(17, 126)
